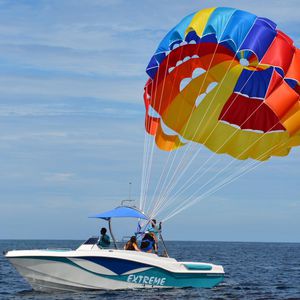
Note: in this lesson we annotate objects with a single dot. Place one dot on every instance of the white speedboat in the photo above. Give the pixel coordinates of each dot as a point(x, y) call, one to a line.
point(90, 267)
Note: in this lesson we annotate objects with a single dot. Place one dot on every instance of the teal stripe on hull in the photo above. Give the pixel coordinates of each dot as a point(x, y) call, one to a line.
point(156, 277)
point(198, 267)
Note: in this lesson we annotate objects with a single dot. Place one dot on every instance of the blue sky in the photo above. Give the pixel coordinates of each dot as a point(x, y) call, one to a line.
point(71, 123)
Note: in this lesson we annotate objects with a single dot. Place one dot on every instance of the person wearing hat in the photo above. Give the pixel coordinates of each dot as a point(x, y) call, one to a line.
point(155, 231)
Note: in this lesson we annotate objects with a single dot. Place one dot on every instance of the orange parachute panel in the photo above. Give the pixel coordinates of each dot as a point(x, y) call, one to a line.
point(294, 70)
point(275, 100)
point(167, 142)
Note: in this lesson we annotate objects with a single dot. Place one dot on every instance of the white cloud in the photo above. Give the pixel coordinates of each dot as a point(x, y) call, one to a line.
point(33, 136)
point(59, 177)
point(109, 89)
point(56, 109)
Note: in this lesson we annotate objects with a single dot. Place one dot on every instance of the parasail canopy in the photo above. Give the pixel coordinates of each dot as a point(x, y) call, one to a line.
point(227, 79)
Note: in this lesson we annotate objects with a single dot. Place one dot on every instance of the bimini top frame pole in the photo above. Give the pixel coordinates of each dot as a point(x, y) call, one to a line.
point(112, 235)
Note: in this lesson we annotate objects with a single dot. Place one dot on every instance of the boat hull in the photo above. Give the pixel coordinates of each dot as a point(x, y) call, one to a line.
point(112, 270)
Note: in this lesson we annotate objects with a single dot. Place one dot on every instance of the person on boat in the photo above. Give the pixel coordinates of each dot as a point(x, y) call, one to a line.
point(155, 231)
point(154, 228)
point(132, 244)
point(148, 243)
point(104, 240)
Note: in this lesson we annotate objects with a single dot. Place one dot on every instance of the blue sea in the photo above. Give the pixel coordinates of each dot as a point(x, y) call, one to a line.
point(253, 271)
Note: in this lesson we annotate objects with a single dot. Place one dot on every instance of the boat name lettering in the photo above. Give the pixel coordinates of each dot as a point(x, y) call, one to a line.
point(151, 280)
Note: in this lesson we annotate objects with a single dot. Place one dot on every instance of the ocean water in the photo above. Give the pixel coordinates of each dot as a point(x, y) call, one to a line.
point(253, 271)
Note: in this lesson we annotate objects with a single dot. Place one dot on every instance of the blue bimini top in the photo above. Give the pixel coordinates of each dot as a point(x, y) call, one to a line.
point(121, 212)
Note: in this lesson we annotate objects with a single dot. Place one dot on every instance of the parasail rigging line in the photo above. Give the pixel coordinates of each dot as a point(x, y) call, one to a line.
point(153, 141)
point(223, 117)
point(229, 164)
point(171, 183)
point(148, 158)
point(241, 125)
point(170, 153)
point(213, 190)
point(188, 147)
point(225, 182)
point(213, 154)
point(143, 169)
point(182, 160)
point(198, 92)
point(187, 201)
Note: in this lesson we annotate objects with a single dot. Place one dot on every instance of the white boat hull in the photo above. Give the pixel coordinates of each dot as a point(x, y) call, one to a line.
point(93, 269)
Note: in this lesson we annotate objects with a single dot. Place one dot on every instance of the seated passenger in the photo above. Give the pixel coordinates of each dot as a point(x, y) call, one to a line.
point(132, 245)
point(148, 243)
point(104, 240)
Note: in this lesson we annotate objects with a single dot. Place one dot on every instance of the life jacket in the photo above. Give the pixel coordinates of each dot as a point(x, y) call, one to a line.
point(147, 245)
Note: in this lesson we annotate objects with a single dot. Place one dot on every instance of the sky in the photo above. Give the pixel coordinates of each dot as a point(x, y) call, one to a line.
point(71, 124)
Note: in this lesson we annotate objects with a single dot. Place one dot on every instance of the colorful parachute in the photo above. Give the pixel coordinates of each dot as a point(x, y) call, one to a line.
point(229, 80)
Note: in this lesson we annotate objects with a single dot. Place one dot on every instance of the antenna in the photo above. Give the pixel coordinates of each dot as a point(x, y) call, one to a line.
point(129, 193)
